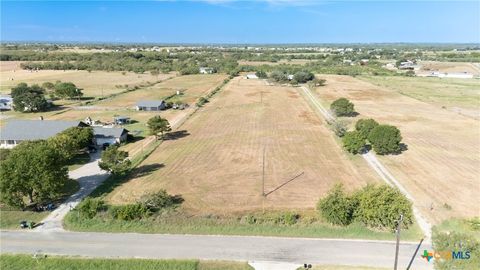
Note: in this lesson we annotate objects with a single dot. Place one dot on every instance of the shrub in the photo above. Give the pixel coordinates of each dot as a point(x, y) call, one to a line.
point(303, 76)
point(279, 76)
point(353, 142)
point(456, 242)
point(342, 107)
point(337, 208)
point(287, 218)
point(130, 211)
point(158, 200)
point(381, 206)
point(90, 207)
point(365, 126)
point(385, 139)
point(261, 74)
point(339, 127)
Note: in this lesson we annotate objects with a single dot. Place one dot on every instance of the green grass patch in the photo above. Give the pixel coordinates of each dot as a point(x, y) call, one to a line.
point(14, 262)
point(309, 224)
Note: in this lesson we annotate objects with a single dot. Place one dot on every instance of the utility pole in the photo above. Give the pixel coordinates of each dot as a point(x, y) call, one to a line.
point(263, 173)
point(397, 231)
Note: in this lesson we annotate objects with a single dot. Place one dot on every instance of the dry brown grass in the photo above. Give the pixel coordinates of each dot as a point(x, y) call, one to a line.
point(442, 163)
point(94, 84)
point(218, 166)
point(192, 87)
point(450, 67)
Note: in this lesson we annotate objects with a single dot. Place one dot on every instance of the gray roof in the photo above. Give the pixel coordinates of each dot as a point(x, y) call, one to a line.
point(150, 103)
point(108, 132)
point(35, 129)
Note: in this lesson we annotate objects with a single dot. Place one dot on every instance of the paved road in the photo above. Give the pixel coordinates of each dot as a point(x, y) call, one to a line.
point(89, 176)
point(242, 248)
point(379, 168)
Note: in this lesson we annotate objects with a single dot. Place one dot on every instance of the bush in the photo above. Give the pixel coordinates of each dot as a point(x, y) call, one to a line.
point(287, 218)
point(342, 107)
point(130, 211)
point(279, 76)
point(158, 200)
point(385, 139)
point(303, 76)
point(456, 242)
point(339, 128)
point(261, 74)
point(353, 142)
point(381, 206)
point(90, 207)
point(365, 126)
point(337, 208)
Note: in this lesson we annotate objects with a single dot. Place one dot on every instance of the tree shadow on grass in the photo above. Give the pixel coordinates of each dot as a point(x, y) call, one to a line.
point(175, 135)
point(116, 180)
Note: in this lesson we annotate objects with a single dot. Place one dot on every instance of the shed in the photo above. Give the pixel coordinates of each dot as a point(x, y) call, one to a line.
point(150, 105)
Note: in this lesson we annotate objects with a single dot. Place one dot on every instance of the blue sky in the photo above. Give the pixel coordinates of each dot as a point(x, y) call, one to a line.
point(230, 21)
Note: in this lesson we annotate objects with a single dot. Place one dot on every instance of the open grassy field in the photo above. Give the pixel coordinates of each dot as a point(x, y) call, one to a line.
point(10, 262)
point(450, 67)
point(217, 167)
point(192, 87)
point(94, 84)
point(441, 167)
point(457, 95)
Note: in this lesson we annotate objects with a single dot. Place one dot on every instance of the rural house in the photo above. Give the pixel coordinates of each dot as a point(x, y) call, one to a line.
point(17, 131)
point(109, 135)
point(6, 103)
point(150, 105)
point(121, 120)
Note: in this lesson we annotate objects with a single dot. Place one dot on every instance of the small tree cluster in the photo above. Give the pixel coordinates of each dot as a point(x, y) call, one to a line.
point(385, 139)
point(303, 76)
point(342, 107)
point(353, 142)
point(67, 90)
point(157, 124)
point(374, 206)
point(89, 207)
point(261, 74)
point(70, 141)
point(29, 98)
point(33, 170)
point(115, 160)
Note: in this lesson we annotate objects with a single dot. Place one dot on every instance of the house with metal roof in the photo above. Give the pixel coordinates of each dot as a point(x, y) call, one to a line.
point(109, 135)
point(150, 105)
point(17, 131)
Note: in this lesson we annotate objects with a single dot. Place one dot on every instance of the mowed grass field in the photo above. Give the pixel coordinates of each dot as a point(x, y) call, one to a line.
point(218, 166)
point(191, 87)
point(457, 95)
point(441, 167)
point(94, 84)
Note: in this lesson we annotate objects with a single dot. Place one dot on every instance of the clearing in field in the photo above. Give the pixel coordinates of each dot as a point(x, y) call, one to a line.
point(94, 84)
point(217, 166)
point(441, 167)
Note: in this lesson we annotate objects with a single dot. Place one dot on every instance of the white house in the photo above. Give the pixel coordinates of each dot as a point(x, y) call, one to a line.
point(206, 70)
point(251, 76)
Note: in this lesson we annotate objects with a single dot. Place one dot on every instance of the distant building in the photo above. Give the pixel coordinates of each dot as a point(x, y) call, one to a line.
point(251, 76)
point(206, 70)
point(290, 77)
point(6, 103)
point(457, 75)
point(150, 105)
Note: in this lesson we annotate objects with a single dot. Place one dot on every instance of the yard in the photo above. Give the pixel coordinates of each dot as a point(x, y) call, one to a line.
point(441, 167)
